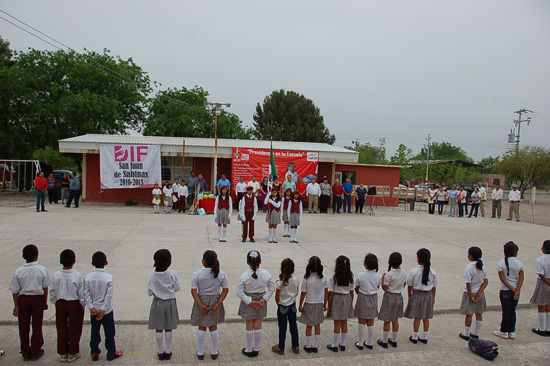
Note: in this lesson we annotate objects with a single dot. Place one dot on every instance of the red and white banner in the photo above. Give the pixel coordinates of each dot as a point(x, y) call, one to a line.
point(247, 162)
point(129, 166)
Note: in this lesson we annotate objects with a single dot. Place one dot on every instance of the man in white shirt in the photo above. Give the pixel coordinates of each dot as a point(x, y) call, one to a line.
point(497, 195)
point(255, 185)
point(514, 196)
point(240, 189)
point(313, 192)
point(483, 193)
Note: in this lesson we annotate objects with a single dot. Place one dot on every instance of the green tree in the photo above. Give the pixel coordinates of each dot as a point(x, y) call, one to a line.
point(443, 151)
point(371, 154)
point(530, 166)
point(181, 112)
point(5, 52)
point(54, 158)
point(402, 156)
point(488, 164)
point(289, 116)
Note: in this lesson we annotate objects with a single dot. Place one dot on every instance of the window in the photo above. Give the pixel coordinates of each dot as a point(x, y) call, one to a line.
point(350, 175)
point(171, 167)
point(496, 181)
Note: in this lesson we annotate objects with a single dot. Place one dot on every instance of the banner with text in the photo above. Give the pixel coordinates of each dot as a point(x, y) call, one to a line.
point(129, 166)
point(247, 162)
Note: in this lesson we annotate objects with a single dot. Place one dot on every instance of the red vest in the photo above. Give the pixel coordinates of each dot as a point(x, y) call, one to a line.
point(223, 203)
point(271, 208)
point(295, 206)
point(286, 201)
point(249, 202)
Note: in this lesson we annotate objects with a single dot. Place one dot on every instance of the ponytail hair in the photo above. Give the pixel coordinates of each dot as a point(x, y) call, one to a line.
point(476, 253)
point(424, 257)
point(314, 266)
point(287, 269)
point(253, 259)
point(371, 262)
point(343, 276)
point(162, 259)
point(510, 250)
point(395, 260)
point(211, 259)
point(546, 246)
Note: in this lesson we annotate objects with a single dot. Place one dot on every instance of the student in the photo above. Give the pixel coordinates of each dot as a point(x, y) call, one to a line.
point(222, 212)
point(157, 198)
point(367, 284)
point(183, 192)
point(286, 204)
point(175, 194)
point(98, 292)
point(510, 272)
point(422, 283)
point(541, 295)
point(248, 208)
point(391, 309)
point(294, 216)
point(285, 296)
point(67, 293)
point(208, 310)
point(340, 300)
point(473, 298)
point(29, 287)
point(254, 297)
point(163, 285)
point(315, 293)
point(167, 190)
point(273, 217)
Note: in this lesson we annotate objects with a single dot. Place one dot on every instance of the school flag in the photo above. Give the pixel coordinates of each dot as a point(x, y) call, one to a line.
point(129, 166)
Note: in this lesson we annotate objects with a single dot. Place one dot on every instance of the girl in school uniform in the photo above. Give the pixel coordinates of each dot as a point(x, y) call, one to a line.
point(473, 298)
point(183, 192)
point(421, 282)
point(340, 300)
point(285, 296)
point(208, 310)
point(366, 308)
point(286, 203)
point(222, 212)
point(273, 217)
point(510, 272)
point(541, 296)
point(157, 198)
point(163, 316)
point(255, 288)
point(295, 216)
point(167, 190)
point(391, 309)
point(315, 293)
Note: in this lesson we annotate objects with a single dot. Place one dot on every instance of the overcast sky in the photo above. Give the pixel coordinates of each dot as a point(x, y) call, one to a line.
point(376, 69)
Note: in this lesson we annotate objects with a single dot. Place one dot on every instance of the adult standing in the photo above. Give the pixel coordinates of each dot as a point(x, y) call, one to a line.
point(191, 186)
point(74, 193)
point(497, 195)
point(248, 208)
point(52, 194)
point(256, 187)
point(360, 194)
point(240, 189)
point(514, 197)
point(65, 188)
point(432, 195)
point(291, 169)
point(337, 192)
point(289, 183)
point(483, 193)
point(41, 185)
point(453, 195)
point(348, 190)
point(326, 190)
point(462, 197)
point(476, 199)
point(223, 182)
point(201, 184)
point(301, 187)
point(441, 198)
point(313, 191)
point(264, 190)
point(277, 184)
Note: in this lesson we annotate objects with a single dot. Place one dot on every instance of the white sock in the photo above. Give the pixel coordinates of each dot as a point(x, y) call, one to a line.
point(479, 323)
point(201, 336)
point(309, 341)
point(285, 229)
point(274, 234)
point(361, 333)
point(385, 336)
point(249, 340)
point(370, 337)
point(296, 234)
point(214, 342)
point(424, 335)
point(548, 322)
point(224, 231)
point(158, 337)
point(335, 337)
point(316, 340)
point(257, 339)
point(415, 335)
point(466, 331)
point(343, 339)
point(394, 336)
point(220, 232)
point(542, 321)
point(168, 337)
point(270, 231)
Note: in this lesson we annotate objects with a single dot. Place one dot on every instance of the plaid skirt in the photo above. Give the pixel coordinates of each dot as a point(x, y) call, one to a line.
point(468, 307)
point(366, 306)
point(392, 307)
point(420, 305)
point(285, 216)
point(223, 217)
point(541, 295)
point(294, 219)
point(169, 200)
point(198, 318)
point(247, 312)
point(273, 217)
point(341, 307)
point(313, 314)
point(163, 314)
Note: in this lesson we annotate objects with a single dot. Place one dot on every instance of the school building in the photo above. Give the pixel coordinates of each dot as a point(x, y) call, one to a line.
point(334, 162)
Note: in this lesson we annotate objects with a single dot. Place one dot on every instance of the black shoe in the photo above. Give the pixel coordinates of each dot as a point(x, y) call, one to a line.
point(167, 356)
point(161, 356)
point(296, 241)
point(342, 348)
point(369, 346)
point(255, 353)
point(415, 341)
point(252, 240)
point(333, 349)
point(474, 336)
point(248, 354)
point(308, 349)
point(215, 356)
point(392, 343)
point(539, 332)
point(382, 344)
point(425, 341)
point(40, 354)
point(315, 349)
point(464, 336)
point(359, 346)
point(244, 240)
point(200, 357)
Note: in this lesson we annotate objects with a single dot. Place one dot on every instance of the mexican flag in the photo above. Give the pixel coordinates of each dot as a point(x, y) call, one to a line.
point(272, 163)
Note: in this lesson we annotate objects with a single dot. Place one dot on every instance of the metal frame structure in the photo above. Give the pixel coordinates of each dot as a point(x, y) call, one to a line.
point(20, 184)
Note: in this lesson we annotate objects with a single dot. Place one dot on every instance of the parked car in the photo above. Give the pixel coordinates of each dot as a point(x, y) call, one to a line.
point(58, 174)
point(467, 186)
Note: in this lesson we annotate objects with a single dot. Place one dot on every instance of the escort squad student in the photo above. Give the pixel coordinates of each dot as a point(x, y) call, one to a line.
point(222, 212)
point(248, 208)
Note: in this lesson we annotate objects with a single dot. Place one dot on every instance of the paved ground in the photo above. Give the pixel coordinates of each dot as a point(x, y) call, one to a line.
point(130, 235)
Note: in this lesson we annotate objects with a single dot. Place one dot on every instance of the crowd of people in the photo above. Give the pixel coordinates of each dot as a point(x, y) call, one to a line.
point(71, 293)
point(66, 189)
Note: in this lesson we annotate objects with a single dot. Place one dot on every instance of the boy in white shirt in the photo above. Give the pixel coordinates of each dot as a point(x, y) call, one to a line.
point(183, 192)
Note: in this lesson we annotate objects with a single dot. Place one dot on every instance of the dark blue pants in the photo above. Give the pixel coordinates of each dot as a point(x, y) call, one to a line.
point(108, 323)
point(440, 205)
point(347, 203)
point(40, 200)
point(474, 209)
point(411, 204)
point(336, 204)
point(466, 208)
point(508, 304)
point(282, 319)
point(74, 194)
point(460, 209)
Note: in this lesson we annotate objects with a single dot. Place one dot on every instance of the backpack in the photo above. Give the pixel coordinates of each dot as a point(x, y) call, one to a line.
point(486, 349)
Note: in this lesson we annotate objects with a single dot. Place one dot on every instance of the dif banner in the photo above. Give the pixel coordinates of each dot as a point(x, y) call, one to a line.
point(129, 166)
point(247, 162)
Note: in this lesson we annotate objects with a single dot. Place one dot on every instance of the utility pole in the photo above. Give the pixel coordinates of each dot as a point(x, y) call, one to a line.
point(428, 158)
point(518, 123)
point(217, 107)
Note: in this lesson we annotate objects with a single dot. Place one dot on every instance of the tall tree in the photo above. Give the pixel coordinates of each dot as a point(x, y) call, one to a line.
point(530, 166)
point(289, 116)
point(371, 154)
point(181, 112)
point(488, 164)
point(402, 156)
point(5, 52)
point(443, 151)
